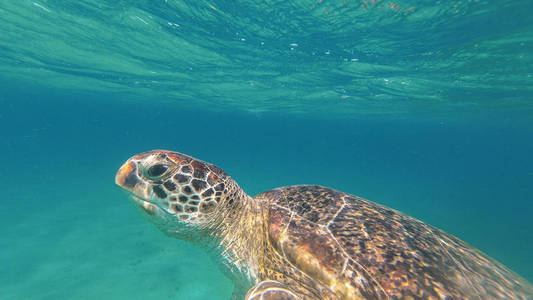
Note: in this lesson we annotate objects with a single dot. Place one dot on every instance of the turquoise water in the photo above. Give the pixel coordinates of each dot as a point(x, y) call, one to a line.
point(424, 106)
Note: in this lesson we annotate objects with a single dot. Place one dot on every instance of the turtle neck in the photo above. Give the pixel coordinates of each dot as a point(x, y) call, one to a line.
point(236, 236)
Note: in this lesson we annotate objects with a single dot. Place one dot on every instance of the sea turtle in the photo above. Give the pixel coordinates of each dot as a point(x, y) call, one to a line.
point(309, 241)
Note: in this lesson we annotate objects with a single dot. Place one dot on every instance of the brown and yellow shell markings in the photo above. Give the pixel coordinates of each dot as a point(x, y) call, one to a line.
point(363, 250)
point(309, 241)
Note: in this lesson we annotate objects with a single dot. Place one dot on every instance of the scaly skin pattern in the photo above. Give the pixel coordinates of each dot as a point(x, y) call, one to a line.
point(198, 202)
point(310, 241)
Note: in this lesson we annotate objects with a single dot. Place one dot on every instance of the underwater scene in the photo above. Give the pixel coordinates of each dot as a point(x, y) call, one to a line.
point(421, 106)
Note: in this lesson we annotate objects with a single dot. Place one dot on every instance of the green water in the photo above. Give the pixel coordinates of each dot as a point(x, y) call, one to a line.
point(423, 106)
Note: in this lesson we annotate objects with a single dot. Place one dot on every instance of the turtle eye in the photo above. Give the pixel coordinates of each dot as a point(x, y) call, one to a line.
point(157, 170)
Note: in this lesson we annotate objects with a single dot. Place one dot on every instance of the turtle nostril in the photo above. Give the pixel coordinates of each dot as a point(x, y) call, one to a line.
point(131, 180)
point(126, 175)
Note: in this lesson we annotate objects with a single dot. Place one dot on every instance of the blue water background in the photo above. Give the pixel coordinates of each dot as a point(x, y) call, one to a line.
point(426, 110)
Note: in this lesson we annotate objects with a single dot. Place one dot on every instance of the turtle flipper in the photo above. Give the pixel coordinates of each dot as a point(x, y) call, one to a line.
point(270, 290)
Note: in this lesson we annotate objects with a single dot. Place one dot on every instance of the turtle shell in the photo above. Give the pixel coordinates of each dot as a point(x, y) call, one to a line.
point(357, 249)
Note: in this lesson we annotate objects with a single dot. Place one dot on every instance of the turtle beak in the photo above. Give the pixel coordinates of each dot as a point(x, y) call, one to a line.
point(127, 176)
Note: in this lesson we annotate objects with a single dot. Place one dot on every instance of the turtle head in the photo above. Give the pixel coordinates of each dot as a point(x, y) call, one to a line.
point(175, 190)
